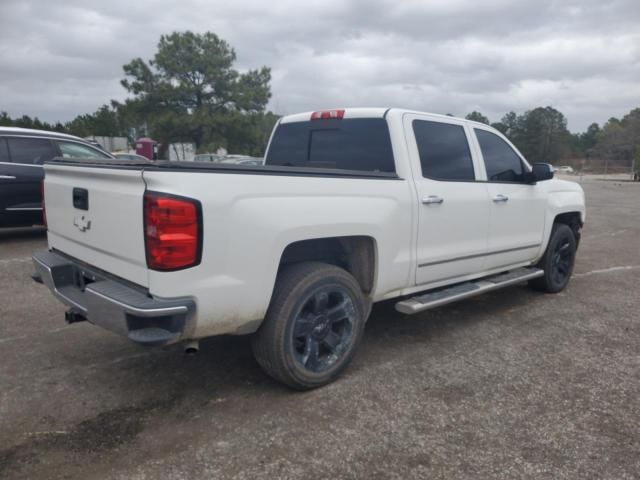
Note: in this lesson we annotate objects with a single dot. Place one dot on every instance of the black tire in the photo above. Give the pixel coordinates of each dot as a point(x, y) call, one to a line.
point(313, 325)
point(557, 261)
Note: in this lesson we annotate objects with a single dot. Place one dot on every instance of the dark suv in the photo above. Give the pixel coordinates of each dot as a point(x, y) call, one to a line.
point(22, 153)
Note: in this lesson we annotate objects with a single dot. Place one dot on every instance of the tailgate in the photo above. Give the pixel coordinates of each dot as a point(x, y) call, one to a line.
point(107, 231)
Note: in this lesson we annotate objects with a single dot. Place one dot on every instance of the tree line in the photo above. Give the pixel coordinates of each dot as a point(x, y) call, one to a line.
point(541, 135)
point(191, 92)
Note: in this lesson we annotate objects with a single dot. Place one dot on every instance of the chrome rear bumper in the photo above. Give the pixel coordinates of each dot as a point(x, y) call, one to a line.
point(112, 303)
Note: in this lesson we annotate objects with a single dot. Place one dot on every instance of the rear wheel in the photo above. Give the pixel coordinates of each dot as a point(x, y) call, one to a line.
point(313, 326)
point(558, 260)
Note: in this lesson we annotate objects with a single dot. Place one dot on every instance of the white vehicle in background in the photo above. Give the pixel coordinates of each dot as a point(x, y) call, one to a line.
point(228, 159)
point(242, 160)
point(208, 157)
point(351, 207)
point(564, 169)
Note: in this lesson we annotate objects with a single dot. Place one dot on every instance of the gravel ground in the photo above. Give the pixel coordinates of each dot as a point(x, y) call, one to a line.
point(513, 384)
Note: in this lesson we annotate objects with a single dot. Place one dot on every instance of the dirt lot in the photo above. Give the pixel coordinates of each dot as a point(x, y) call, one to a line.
point(514, 384)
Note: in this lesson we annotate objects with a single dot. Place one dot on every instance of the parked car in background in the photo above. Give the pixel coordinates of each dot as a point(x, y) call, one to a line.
point(564, 169)
point(130, 156)
point(22, 153)
point(208, 157)
point(242, 160)
point(228, 159)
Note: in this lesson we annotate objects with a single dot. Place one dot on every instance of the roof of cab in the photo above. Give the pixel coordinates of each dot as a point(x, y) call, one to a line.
point(367, 113)
point(348, 113)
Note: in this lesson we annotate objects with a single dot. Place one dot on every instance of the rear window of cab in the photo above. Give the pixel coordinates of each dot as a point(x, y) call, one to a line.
point(360, 144)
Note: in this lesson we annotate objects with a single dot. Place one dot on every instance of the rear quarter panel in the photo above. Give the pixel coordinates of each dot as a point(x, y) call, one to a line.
point(248, 221)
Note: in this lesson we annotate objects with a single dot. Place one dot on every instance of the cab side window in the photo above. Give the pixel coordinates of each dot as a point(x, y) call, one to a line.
point(77, 150)
point(33, 151)
point(444, 151)
point(501, 162)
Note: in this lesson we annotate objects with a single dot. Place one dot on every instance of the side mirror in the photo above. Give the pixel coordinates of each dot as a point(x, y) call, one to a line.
point(541, 172)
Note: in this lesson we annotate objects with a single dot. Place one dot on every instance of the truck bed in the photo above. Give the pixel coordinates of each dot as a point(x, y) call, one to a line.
point(210, 167)
point(250, 215)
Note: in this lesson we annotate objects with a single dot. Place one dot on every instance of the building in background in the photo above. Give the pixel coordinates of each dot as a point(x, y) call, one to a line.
point(111, 144)
point(181, 152)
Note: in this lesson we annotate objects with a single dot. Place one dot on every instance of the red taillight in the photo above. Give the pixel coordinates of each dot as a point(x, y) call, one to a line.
point(44, 210)
point(327, 114)
point(173, 231)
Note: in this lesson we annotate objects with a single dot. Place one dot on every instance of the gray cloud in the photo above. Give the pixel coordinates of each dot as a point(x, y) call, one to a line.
point(60, 59)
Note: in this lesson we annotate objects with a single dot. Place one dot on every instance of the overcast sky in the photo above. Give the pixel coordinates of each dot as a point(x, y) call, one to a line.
point(62, 58)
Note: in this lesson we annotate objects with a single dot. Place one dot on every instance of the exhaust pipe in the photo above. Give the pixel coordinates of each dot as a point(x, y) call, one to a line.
point(191, 348)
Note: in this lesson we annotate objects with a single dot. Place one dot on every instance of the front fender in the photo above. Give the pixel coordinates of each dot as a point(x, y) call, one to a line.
point(566, 200)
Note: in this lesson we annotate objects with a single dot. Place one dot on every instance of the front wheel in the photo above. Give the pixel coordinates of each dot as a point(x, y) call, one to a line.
point(313, 325)
point(557, 261)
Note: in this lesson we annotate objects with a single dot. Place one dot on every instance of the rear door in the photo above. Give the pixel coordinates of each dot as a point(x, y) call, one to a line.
point(94, 214)
point(21, 177)
point(453, 209)
point(517, 208)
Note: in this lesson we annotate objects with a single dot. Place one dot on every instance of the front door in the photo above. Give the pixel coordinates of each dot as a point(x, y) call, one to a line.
point(453, 208)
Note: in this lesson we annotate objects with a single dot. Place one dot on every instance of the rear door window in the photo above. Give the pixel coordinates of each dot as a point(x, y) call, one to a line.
point(77, 150)
point(33, 151)
point(361, 144)
point(500, 160)
point(444, 151)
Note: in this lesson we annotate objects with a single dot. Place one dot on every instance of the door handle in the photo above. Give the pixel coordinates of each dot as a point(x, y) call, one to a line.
point(428, 200)
point(500, 198)
point(7, 177)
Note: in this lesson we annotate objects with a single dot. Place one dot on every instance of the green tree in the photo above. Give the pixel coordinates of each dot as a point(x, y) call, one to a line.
point(191, 92)
point(5, 120)
point(540, 134)
point(478, 117)
point(25, 121)
point(589, 139)
point(619, 140)
point(104, 122)
point(507, 125)
point(248, 134)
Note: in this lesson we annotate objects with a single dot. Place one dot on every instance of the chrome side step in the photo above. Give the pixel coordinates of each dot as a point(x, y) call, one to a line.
point(461, 291)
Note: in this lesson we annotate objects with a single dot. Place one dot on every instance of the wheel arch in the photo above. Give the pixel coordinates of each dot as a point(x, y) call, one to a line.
point(356, 254)
point(571, 216)
point(573, 220)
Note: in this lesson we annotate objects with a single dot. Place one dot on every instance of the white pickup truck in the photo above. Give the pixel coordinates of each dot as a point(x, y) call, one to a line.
point(351, 207)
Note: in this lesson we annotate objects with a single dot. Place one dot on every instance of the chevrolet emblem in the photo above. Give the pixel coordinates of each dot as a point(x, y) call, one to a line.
point(82, 223)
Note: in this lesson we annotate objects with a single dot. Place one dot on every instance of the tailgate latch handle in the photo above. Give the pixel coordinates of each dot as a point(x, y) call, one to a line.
point(81, 198)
